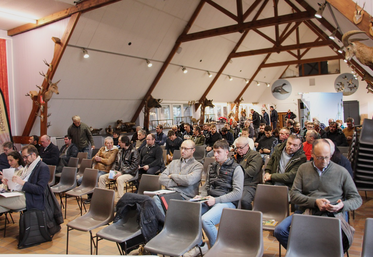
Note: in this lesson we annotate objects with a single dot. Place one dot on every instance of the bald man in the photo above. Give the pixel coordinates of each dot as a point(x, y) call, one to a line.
point(49, 152)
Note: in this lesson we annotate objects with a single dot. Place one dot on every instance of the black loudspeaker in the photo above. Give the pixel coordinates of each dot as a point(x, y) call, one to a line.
point(301, 105)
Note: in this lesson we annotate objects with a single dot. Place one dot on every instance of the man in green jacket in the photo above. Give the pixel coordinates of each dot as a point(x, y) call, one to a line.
point(251, 162)
point(81, 135)
point(285, 161)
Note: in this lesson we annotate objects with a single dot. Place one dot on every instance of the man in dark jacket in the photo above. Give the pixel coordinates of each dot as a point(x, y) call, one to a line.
point(285, 161)
point(160, 137)
point(125, 166)
point(274, 117)
point(211, 139)
point(226, 135)
point(66, 151)
point(251, 162)
point(255, 117)
point(151, 156)
point(49, 154)
point(336, 135)
point(265, 117)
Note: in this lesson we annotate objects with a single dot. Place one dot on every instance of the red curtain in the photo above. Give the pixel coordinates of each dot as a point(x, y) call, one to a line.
point(4, 74)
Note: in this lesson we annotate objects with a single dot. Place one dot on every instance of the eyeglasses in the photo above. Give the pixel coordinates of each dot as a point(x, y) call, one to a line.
point(185, 148)
point(25, 157)
point(240, 148)
point(322, 158)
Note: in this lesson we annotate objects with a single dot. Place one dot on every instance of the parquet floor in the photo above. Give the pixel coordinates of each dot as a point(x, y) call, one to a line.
point(79, 241)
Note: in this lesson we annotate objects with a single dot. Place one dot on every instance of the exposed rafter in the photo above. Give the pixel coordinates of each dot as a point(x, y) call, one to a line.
point(319, 59)
point(222, 9)
point(85, 6)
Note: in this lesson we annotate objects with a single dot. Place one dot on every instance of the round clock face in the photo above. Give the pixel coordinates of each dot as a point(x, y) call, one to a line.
point(346, 83)
point(281, 89)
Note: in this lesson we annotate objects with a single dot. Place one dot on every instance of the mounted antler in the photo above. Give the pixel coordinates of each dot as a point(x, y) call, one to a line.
point(358, 14)
point(354, 48)
point(48, 64)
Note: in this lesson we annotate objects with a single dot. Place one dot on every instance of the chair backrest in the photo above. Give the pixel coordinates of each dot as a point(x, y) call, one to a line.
point(208, 161)
point(272, 201)
point(81, 156)
point(94, 152)
point(368, 238)
point(176, 155)
point(149, 183)
point(199, 153)
point(241, 231)
point(102, 204)
point(315, 236)
point(52, 172)
point(189, 224)
point(68, 176)
point(86, 163)
point(90, 178)
point(73, 162)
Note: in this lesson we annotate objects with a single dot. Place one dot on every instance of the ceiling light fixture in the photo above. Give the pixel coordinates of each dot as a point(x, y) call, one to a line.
point(246, 81)
point(268, 85)
point(208, 73)
point(321, 9)
point(345, 60)
point(18, 17)
point(184, 70)
point(340, 50)
point(258, 83)
point(149, 63)
point(332, 36)
point(230, 78)
point(85, 53)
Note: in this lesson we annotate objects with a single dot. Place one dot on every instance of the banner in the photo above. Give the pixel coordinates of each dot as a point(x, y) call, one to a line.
point(5, 133)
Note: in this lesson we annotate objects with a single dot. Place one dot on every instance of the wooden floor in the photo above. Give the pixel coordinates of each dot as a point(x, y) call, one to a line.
point(79, 241)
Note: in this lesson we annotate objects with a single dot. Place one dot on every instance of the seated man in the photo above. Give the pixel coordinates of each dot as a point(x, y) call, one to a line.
point(315, 190)
point(31, 183)
point(265, 143)
point(141, 141)
point(182, 175)
point(226, 135)
point(160, 137)
point(245, 133)
point(67, 151)
point(211, 139)
point(34, 140)
point(125, 166)
point(296, 128)
point(261, 134)
point(336, 135)
point(251, 162)
point(197, 137)
point(151, 156)
point(283, 135)
point(188, 133)
point(7, 148)
point(284, 162)
point(349, 130)
point(223, 189)
point(172, 143)
point(311, 136)
point(49, 153)
point(134, 136)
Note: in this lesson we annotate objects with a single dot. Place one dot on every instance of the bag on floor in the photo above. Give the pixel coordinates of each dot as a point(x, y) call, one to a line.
point(33, 228)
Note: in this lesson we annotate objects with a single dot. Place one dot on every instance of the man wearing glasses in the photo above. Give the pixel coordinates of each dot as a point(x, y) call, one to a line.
point(322, 188)
point(31, 183)
point(182, 175)
point(251, 162)
point(285, 161)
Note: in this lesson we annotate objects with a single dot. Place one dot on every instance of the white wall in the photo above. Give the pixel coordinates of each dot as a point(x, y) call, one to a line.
point(323, 83)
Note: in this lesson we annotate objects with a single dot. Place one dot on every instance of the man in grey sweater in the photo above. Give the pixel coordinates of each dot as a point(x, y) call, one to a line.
point(321, 187)
point(223, 189)
point(182, 175)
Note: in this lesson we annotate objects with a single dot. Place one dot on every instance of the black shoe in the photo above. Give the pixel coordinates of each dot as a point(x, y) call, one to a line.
point(88, 201)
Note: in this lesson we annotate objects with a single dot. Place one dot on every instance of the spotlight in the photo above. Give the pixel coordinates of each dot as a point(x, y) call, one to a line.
point(85, 53)
point(340, 50)
point(332, 36)
point(149, 63)
point(230, 78)
point(246, 81)
point(321, 9)
point(258, 83)
point(208, 73)
point(184, 70)
point(345, 60)
point(268, 85)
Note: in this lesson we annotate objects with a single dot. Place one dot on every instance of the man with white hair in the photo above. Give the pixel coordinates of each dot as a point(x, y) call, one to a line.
point(251, 162)
point(49, 152)
point(81, 135)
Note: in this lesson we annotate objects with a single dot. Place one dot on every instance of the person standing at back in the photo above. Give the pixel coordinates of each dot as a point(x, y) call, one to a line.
point(81, 135)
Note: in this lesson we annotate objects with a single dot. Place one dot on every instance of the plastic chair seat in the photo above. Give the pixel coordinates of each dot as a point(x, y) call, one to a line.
point(57, 189)
point(88, 222)
point(119, 232)
point(368, 238)
point(80, 191)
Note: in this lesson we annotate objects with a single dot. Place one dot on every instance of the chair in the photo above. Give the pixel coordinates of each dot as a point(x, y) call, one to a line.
point(133, 181)
point(149, 183)
point(52, 172)
point(89, 183)
point(73, 162)
point(176, 155)
point(180, 232)
point(101, 212)
point(368, 238)
point(86, 163)
point(273, 202)
point(315, 236)
point(240, 234)
point(67, 182)
point(81, 156)
point(94, 152)
point(199, 153)
point(6, 220)
point(125, 231)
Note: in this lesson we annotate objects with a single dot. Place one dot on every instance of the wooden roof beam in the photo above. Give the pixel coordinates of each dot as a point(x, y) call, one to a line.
point(321, 59)
point(296, 17)
point(265, 36)
point(223, 10)
point(251, 9)
point(239, 11)
point(278, 49)
point(85, 6)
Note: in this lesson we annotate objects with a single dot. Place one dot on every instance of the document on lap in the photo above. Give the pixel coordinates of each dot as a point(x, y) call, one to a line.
point(158, 192)
point(8, 174)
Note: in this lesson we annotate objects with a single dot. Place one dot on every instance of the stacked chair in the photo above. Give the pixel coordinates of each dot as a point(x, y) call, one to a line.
point(361, 157)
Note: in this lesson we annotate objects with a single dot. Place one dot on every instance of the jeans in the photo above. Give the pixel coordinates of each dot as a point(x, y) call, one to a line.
point(211, 217)
point(86, 150)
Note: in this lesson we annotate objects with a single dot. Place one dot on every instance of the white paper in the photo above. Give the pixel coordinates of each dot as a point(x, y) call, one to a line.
point(111, 174)
point(10, 194)
point(8, 174)
point(158, 192)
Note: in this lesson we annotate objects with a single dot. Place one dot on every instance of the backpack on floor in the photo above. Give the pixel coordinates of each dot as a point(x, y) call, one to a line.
point(33, 228)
